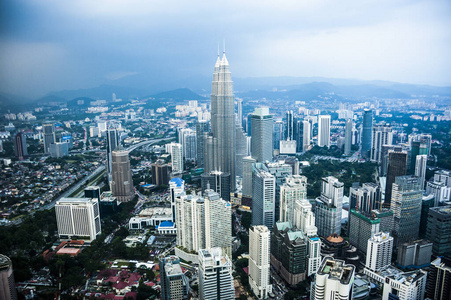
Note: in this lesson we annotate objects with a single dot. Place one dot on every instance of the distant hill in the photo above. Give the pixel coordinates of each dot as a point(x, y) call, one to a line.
point(178, 95)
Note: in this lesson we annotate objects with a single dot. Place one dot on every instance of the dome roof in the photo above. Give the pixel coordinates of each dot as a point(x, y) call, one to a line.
point(335, 238)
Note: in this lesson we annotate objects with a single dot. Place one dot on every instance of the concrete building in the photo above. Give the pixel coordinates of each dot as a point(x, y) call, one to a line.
point(420, 168)
point(348, 137)
point(441, 192)
point(333, 280)
point(328, 207)
point(122, 182)
point(7, 285)
point(365, 198)
point(263, 197)
point(362, 226)
point(406, 206)
point(324, 131)
point(78, 217)
point(201, 128)
point(438, 285)
point(49, 138)
point(112, 141)
point(289, 128)
point(59, 149)
point(280, 170)
point(215, 275)
point(278, 129)
point(259, 264)
point(176, 158)
point(248, 165)
point(177, 189)
point(367, 129)
point(439, 230)
point(217, 181)
point(174, 284)
point(160, 173)
point(294, 189)
point(262, 143)
point(405, 286)
point(379, 251)
point(306, 137)
point(396, 166)
point(382, 135)
point(20, 146)
point(416, 254)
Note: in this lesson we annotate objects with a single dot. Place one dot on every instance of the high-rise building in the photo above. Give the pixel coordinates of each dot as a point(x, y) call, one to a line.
point(418, 146)
point(348, 136)
point(306, 136)
point(397, 166)
point(406, 206)
point(405, 286)
point(289, 129)
point(328, 207)
point(78, 217)
point(122, 182)
point(59, 149)
point(174, 284)
point(215, 275)
point(294, 189)
point(112, 141)
point(278, 133)
point(298, 134)
point(189, 144)
point(379, 251)
point(382, 135)
point(366, 132)
point(92, 191)
point(204, 222)
point(280, 170)
point(160, 173)
point(248, 163)
point(420, 168)
point(49, 136)
point(201, 129)
point(239, 111)
point(259, 265)
point(177, 189)
point(416, 254)
point(261, 143)
point(176, 158)
point(20, 146)
point(324, 131)
point(333, 280)
point(438, 285)
point(217, 181)
point(304, 219)
point(362, 226)
point(365, 198)
point(439, 230)
point(7, 285)
point(223, 121)
point(242, 149)
point(263, 197)
point(289, 252)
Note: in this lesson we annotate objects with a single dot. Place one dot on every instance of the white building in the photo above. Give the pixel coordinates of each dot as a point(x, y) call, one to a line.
point(333, 281)
point(382, 135)
point(304, 219)
point(329, 207)
point(379, 251)
point(287, 147)
point(306, 137)
point(420, 168)
point(259, 265)
point(215, 275)
point(78, 217)
point(263, 197)
point(294, 188)
point(405, 286)
point(176, 158)
point(324, 130)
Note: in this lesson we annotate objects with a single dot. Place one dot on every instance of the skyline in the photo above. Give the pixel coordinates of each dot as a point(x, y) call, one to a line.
point(49, 45)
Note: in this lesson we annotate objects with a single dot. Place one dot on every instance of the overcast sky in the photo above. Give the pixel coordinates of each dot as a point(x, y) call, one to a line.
point(53, 45)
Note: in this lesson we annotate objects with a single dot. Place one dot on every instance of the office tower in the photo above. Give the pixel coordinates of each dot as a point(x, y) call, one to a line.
point(294, 163)
point(420, 168)
point(280, 170)
point(439, 230)
point(20, 146)
point(217, 181)
point(112, 141)
point(416, 254)
point(49, 136)
point(362, 226)
point(294, 189)
point(443, 176)
point(379, 251)
point(176, 158)
point(441, 192)
point(59, 149)
point(426, 203)
point(174, 284)
point(241, 149)
point(328, 207)
point(215, 275)
point(384, 156)
point(189, 143)
point(405, 286)
point(304, 219)
point(248, 163)
point(92, 192)
point(382, 135)
point(7, 285)
point(78, 217)
point(289, 129)
point(397, 166)
point(348, 136)
point(289, 252)
point(261, 143)
point(365, 198)
point(177, 189)
point(386, 218)
point(324, 131)
point(278, 133)
point(306, 136)
point(438, 284)
point(201, 128)
point(122, 182)
point(239, 111)
point(248, 124)
point(203, 222)
point(160, 173)
point(333, 280)
point(406, 206)
point(298, 134)
point(366, 132)
point(418, 146)
point(259, 265)
point(223, 120)
point(263, 197)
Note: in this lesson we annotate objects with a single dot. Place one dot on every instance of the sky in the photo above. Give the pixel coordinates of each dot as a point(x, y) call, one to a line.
point(55, 45)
